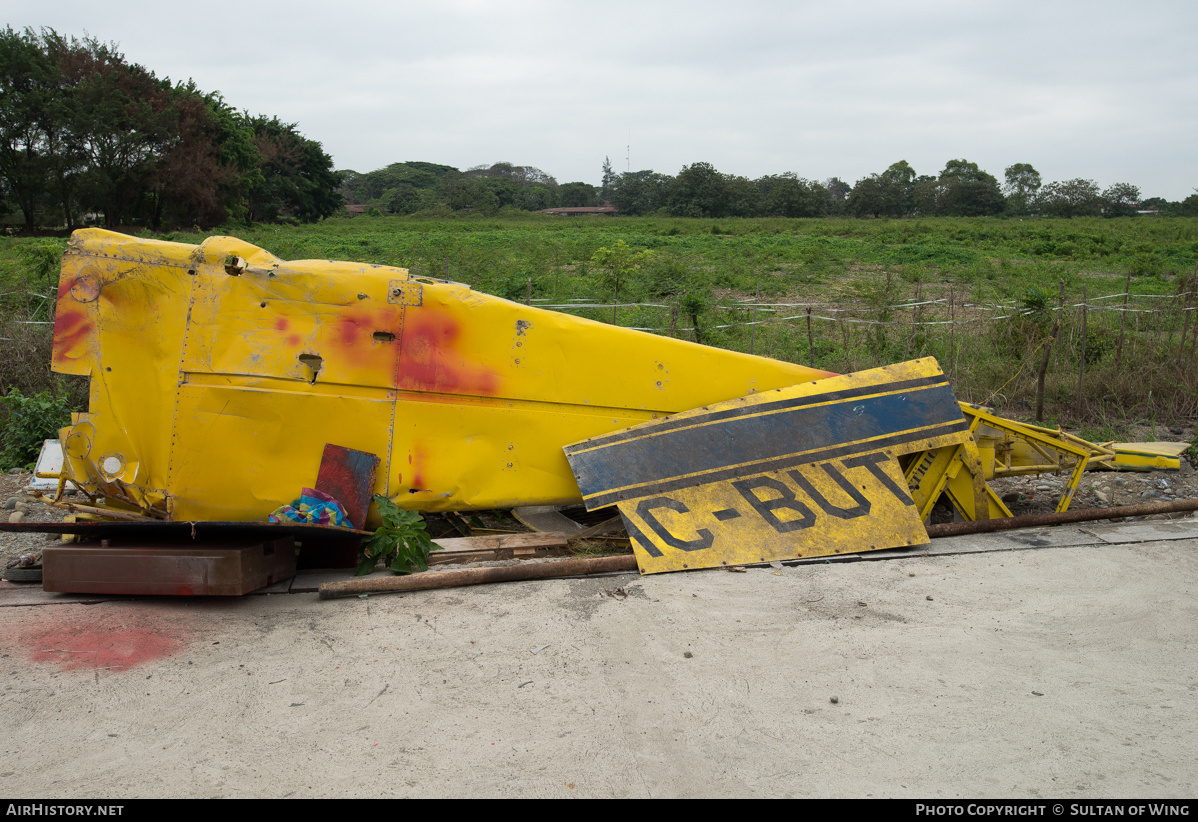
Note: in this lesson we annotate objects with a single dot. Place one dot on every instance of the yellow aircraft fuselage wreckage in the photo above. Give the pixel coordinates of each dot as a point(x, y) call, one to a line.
point(219, 373)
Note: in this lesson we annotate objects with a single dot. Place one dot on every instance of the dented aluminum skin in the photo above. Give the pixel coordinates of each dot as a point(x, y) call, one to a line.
point(219, 372)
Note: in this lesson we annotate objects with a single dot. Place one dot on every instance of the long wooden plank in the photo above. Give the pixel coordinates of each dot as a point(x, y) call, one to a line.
point(494, 542)
point(477, 576)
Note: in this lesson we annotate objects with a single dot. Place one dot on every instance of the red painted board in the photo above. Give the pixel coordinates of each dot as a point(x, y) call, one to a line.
point(348, 477)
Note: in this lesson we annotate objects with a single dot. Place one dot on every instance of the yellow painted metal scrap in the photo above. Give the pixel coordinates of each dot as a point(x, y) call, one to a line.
point(219, 372)
point(801, 471)
point(998, 448)
point(1148, 456)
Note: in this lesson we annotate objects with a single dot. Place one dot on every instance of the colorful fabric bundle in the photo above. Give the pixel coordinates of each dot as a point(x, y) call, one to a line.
point(312, 507)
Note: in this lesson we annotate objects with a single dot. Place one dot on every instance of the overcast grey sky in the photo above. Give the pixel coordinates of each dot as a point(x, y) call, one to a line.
point(1102, 90)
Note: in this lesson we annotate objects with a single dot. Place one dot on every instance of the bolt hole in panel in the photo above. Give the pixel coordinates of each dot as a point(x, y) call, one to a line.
point(313, 363)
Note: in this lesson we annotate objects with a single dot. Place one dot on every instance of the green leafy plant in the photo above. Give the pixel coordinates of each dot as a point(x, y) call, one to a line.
point(402, 536)
point(620, 262)
point(43, 260)
point(1038, 299)
point(25, 422)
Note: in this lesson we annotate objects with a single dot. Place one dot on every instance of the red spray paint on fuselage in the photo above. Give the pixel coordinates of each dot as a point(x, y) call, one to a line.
point(71, 329)
point(431, 360)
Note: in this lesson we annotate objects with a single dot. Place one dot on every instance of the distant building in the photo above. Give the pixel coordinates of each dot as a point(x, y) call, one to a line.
point(581, 211)
point(355, 210)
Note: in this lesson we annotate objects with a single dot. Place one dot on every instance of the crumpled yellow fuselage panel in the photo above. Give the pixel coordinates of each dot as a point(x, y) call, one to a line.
point(219, 372)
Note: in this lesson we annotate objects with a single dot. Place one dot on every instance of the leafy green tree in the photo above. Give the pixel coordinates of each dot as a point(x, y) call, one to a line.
point(1121, 200)
point(298, 180)
point(1022, 184)
point(403, 199)
point(607, 186)
point(1071, 198)
point(580, 195)
point(742, 197)
point(1188, 207)
point(204, 171)
point(788, 195)
point(471, 193)
point(538, 197)
point(868, 197)
point(27, 83)
point(1159, 204)
point(838, 193)
point(401, 188)
point(889, 194)
point(620, 263)
point(699, 191)
point(507, 192)
point(900, 188)
point(66, 121)
point(967, 191)
point(81, 128)
point(640, 192)
point(125, 123)
point(520, 175)
point(516, 187)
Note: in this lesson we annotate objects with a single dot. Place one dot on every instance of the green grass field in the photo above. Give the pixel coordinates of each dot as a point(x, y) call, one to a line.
point(997, 280)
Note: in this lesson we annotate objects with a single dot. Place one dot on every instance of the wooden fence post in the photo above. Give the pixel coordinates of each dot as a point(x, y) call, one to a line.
point(1185, 325)
point(914, 323)
point(810, 340)
point(1122, 320)
point(952, 330)
point(1056, 327)
point(1081, 363)
point(844, 333)
point(753, 326)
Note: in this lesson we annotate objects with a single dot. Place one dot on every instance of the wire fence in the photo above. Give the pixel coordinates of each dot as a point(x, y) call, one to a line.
point(984, 346)
point(851, 312)
point(1116, 351)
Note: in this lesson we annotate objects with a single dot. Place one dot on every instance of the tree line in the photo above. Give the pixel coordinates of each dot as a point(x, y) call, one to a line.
point(961, 189)
point(85, 135)
point(408, 188)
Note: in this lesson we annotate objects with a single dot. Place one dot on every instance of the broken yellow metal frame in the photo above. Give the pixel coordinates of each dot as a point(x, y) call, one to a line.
point(998, 448)
point(1148, 456)
point(219, 372)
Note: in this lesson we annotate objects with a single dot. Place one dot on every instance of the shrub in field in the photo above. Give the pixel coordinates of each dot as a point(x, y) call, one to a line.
point(1038, 301)
point(666, 276)
point(42, 261)
point(25, 422)
point(619, 263)
point(1145, 265)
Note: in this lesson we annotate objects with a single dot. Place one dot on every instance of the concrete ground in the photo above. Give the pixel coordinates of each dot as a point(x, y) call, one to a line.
point(1055, 663)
